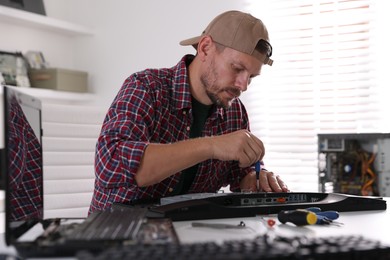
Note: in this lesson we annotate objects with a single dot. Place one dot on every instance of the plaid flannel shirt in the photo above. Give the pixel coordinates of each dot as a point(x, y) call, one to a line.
point(25, 167)
point(154, 106)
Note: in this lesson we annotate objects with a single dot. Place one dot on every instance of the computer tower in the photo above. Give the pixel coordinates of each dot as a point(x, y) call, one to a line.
point(357, 164)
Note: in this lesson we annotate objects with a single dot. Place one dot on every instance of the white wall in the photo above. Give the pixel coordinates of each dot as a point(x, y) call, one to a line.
point(133, 35)
point(58, 49)
point(128, 36)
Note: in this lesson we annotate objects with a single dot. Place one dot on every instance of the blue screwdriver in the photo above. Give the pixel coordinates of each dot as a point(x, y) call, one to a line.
point(330, 214)
point(258, 170)
point(324, 217)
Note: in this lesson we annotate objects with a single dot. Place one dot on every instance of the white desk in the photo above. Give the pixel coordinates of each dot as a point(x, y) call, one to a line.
point(371, 224)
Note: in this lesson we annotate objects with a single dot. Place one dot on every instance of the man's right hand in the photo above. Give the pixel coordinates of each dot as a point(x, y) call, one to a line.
point(241, 146)
point(160, 161)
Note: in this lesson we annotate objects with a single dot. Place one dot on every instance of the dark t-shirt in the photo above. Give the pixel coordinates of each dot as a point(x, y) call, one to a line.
point(200, 113)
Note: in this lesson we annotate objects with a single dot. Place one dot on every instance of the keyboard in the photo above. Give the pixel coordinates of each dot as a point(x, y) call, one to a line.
point(114, 224)
point(263, 247)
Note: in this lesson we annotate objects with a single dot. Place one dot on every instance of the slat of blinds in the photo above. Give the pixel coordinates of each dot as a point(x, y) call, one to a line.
point(71, 114)
point(68, 186)
point(64, 201)
point(68, 158)
point(81, 212)
point(51, 129)
point(68, 172)
point(63, 144)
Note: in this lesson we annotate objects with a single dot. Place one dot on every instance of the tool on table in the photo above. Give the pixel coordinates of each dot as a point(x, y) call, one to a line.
point(331, 214)
point(325, 217)
point(270, 235)
point(322, 220)
point(219, 225)
point(299, 217)
point(258, 170)
point(268, 223)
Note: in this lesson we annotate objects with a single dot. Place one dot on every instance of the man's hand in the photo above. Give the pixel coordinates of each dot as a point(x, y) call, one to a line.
point(241, 146)
point(269, 182)
point(160, 161)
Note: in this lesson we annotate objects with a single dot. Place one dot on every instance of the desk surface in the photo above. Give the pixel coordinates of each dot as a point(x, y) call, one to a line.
point(371, 224)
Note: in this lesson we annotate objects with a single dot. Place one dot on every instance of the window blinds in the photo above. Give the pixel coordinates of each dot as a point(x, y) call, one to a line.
point(323, 81)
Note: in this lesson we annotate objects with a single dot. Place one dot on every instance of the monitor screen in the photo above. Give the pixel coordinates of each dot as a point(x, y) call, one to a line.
point(22, 170)
point(2, 139)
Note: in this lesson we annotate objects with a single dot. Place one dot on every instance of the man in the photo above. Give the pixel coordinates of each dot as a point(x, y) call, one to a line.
point(183, 129)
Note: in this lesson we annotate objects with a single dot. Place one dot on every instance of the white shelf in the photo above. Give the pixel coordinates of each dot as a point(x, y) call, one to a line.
point(51, 96)
point(19, 17)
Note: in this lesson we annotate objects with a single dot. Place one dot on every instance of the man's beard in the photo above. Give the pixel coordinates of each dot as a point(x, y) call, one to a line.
point(208, 80)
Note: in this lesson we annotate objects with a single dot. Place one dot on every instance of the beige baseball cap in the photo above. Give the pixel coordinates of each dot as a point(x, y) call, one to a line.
point(239, 31)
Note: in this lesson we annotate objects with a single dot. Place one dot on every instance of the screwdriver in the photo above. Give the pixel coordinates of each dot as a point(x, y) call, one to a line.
point(299, 217)
point(322, 220)
point(258, 170)
point(218, 225)
point(330, 214)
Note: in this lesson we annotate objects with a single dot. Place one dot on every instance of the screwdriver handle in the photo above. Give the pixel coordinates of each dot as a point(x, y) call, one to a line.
point(258, 166)
point(299, 217)
point(329, 214)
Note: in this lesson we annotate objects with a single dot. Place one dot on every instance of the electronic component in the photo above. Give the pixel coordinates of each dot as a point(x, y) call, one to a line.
point(332, 145)
point(356, 164)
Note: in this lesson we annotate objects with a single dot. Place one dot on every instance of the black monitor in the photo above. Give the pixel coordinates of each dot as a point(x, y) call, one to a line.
point(2, 139)
point(21, 161)
point(34, 6)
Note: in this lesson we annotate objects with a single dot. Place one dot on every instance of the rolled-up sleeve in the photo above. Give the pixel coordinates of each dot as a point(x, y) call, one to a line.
point(124, 137)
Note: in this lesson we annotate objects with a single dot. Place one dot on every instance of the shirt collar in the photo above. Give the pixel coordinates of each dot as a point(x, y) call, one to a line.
point(182, 95)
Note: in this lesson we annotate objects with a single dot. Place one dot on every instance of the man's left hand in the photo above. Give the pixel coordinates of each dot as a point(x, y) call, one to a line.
point(269, 182)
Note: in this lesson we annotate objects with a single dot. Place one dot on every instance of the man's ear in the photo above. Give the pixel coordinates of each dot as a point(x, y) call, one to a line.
point(205, 45)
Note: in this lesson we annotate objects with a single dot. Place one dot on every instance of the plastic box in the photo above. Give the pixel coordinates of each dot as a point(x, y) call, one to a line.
point(59, 79)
